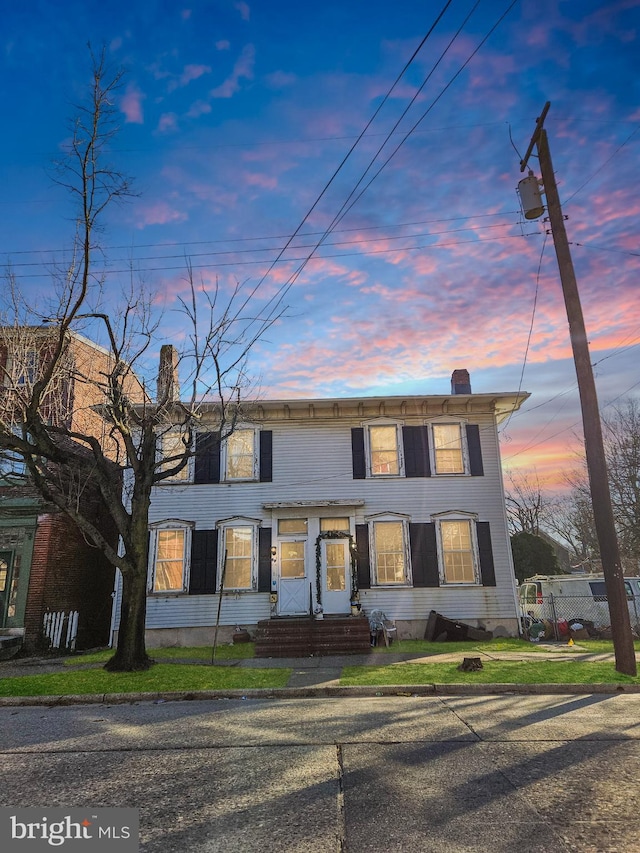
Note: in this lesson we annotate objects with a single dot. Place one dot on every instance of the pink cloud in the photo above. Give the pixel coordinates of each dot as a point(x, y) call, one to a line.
point(198, 108)
point(131, 104)
point(244, 10)
point(223, 44)
point(158, 213)
point(168, 123)
point(242, 70)
point(185, 14)
point(255, 179)
point(190, 72)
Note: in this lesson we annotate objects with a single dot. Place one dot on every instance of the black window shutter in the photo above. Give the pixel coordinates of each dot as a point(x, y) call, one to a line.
point(264, 559)
point(362, 550)
point(424, 554)
point(266, 456)
point(476, 468)
point(485, 551)
point(204, 562)
point(357, 451)
point(415, 440)
point(207, 457)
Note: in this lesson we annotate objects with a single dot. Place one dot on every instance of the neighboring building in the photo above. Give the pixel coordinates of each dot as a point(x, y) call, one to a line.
point(46, 565)
point(397, 501)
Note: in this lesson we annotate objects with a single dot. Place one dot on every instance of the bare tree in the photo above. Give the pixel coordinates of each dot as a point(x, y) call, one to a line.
point(572, 520)
point(621, 428)
point(145, 435)
point(527, 504)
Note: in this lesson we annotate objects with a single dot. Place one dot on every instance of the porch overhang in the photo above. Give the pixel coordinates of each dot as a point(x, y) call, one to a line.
point(343, 502)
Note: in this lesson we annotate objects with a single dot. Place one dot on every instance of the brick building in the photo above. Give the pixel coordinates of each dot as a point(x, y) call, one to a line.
point(46, 564)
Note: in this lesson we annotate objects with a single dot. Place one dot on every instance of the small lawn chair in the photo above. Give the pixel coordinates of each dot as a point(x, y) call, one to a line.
point(379, 624)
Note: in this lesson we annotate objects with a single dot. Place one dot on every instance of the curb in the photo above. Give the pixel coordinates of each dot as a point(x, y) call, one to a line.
point(364, 692)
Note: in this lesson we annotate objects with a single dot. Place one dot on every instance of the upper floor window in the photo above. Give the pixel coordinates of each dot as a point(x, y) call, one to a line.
point(383, 449)
point(240, 455)
point(459, 561)
point(448, 448)
point(169, 547)
point(172, 447)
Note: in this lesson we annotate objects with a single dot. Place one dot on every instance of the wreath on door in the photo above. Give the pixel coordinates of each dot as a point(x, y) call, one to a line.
point(353, 554)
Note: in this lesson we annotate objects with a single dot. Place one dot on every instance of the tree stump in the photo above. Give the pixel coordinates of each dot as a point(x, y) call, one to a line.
point(470, 665)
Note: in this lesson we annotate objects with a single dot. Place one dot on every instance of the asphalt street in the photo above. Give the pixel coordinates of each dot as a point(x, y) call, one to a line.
point(358, 775)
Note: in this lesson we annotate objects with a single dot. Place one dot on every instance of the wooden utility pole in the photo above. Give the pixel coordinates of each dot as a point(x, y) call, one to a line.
point(594, 447)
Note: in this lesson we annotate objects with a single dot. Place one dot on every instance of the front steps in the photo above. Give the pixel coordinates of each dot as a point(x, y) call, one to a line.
point(295, 638)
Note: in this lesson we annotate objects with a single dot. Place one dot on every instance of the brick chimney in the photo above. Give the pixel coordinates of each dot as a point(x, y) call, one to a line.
point(168, 383)
point(460, 382)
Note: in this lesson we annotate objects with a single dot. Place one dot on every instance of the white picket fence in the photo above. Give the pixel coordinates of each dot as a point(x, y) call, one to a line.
point(54, 629)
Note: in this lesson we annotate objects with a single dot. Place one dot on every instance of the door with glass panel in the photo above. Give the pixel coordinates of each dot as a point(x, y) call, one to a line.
point(293, 583)
point(335, 565)
point(336, 576)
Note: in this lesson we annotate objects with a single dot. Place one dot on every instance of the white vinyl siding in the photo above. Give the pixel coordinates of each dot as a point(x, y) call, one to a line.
point(312, 461)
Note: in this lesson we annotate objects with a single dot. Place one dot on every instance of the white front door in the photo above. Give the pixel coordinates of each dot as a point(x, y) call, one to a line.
point(293, 586)
point(336, 576)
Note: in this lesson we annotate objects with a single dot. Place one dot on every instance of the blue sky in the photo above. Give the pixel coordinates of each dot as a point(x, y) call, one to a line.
point(236, 115)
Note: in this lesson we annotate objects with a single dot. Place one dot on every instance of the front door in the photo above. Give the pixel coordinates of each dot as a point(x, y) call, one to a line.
point(336, 576)
point(5, 584)
point(293, 588)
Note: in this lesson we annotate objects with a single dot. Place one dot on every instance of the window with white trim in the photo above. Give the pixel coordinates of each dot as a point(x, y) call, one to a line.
point(238, 565)
point(172, 446)
point(390, 552)
point(240, 455)
point(458, 551)
point(170, 544)
point(383, 449)
point(448, 448)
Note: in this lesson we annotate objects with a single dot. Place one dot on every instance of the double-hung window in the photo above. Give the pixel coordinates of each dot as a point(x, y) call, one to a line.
point(172, 448)
point(385, 459)
point(241, 458)
point(238, 557)
point(448, 448)
point(170, 545)
point(390, 551)
point(458, 550)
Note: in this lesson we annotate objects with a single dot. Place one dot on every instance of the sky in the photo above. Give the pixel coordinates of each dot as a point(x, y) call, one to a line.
point(320, 150)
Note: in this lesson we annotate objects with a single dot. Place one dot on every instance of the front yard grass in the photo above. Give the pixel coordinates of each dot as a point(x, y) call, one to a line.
point(492, 672)
point(240, 651)
point(160, 678)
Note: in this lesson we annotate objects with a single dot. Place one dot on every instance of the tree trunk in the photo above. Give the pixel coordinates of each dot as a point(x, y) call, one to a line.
point(131, 654)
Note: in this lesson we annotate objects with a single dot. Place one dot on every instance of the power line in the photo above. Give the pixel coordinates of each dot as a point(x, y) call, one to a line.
point(171, 243)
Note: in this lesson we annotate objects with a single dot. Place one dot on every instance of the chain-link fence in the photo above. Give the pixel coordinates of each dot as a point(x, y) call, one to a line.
point(591, 612)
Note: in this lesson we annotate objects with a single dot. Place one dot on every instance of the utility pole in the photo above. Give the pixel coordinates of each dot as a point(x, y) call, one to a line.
point(594, 447)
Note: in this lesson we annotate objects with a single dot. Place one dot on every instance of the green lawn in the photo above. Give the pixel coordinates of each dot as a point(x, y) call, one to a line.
point(160, 678)
point(493, 672)
point(500, 644)
point(223, 652)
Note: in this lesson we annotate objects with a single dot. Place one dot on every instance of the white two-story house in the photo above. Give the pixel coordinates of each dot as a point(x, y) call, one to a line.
point(395, 503)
